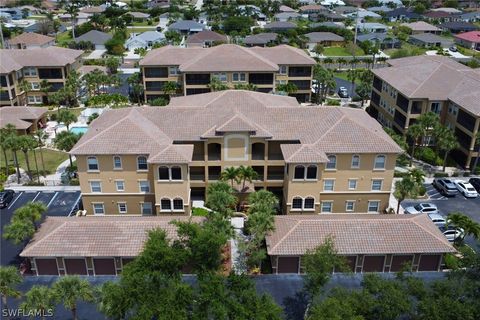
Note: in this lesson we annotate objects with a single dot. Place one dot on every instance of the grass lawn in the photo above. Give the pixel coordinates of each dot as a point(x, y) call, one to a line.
point(52, 160)
point(343, 75)
point(64, 38)
point(340, 51)
point(142, 24)
point(407, 50)
point(141, 29)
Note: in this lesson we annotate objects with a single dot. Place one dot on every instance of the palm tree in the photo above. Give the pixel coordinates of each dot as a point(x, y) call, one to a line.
point(41, 137)
point(65, 141)
point(39, 298)
point(418, 176)
point(352, 75)
point(231, 174)
point(341, 61)
point(27, 143)
point(32, 211)
point(245, 86)
point(318, 49)
point(460, 220)
point(25, 87)
point(428, 122)
point(72, 8)
point(67, 118)
point(246, 174)
point(217, 85)
point(328, 60)
point(12, 143)
point(415, 132)
point(405, 188)
point(477, 144)
point(287, 88)
point(170, 88)
point(447, 142)
point(9, 280)
point(5, 132)
point(45, 87)
point(18, 231)
point(71, 289)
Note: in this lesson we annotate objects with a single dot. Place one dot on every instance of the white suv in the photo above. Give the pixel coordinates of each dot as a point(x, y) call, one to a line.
point(422, 208)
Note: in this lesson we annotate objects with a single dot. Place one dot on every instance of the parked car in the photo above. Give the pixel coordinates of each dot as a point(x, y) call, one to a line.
point(445, 186)
point(6, 196)
point(437, 219)
point(475, 182)
point(422, 208)
point(342, 92)
point(453, 49)
point(452, 233)
point(466, 189)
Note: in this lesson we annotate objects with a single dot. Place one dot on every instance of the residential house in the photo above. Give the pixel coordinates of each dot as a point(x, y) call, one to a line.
point(158, 3)
point(205, 39)
point(458, 27)
point(287, 16)
point(384, 40)
point(422, 27)
point(429, 40)
point(328, 24)
point(279, 26)
point(252, 11)
point(138, 16)
point(313, 8)
point(141, 160)
point(326, 3)
point(413, 240)
point(402, 14)
point(284, 8)
point(380, 10)
point(469, 16)
point(346, 10)
point(96, 38)
point(26, 120)
point(81, 18)
point(469, 40)
point(440, 16)
point(14, 13)
point(363, 14)
point(324, 38)
point(447, 10)
point(416, 85)
point(30, 40)
point(370, 27)
point(260, 39)
point(34, 65)
point(186, 27)
point(193, 68)
point(93, 10)
point(144, 40)
point(93, 246)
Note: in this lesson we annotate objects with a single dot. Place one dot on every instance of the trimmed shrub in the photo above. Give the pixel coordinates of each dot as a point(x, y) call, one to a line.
point(200, 212)
point(440, 175)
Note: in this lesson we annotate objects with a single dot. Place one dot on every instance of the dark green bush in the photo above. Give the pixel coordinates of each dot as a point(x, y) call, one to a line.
point(440, 175)
point(429, 156)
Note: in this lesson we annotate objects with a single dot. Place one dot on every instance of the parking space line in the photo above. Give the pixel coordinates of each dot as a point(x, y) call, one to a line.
point(36, 196)
point(75, 204)
point(13, 202)
point(50, 202)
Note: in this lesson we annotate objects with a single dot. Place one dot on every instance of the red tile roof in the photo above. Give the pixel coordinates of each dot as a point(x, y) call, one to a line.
point(472, 36)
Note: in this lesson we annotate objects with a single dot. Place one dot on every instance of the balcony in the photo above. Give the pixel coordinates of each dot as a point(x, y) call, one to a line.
point(416, 107)
point(156, 72)
point(275, 173)
point(197, 173)
point(402, 102)
point(214, 173)
point(198, 151)
point(377, 84)
point(154, 85)
point(214, 152)
point(259, 171)
point(197, 79)
point(261, 78)
point(274, 151)
point(299, 71)
point(301, 84)
point(50, 73)
point(258, 151)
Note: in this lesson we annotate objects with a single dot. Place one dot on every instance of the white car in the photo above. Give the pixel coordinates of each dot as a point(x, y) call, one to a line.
point(437, 219)
point(466, 189)
point(453, 234)
point(422, 208)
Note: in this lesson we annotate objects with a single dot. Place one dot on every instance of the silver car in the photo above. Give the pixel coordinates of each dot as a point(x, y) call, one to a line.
point(422, 208)
point(445, 186)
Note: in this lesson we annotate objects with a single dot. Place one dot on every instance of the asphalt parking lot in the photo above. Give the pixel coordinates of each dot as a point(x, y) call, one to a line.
point(59, 203)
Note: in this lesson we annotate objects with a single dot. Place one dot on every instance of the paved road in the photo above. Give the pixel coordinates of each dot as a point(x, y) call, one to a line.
point(344, 83)
point(59, 203)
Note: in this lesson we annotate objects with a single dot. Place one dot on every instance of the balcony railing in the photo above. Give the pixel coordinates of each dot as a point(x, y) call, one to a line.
point(275, 176)
point(197, 177)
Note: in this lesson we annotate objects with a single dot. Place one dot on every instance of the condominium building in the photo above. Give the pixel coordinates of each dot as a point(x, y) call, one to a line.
point(145, 160)
point(34, 65)
point(193, 68)
point(416, 85)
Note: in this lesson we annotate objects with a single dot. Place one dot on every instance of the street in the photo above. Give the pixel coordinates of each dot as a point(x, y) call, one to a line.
point(59, 203)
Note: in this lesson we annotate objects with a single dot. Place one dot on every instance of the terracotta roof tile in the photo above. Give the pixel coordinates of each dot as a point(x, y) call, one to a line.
point(18, 115)
point(30, 38)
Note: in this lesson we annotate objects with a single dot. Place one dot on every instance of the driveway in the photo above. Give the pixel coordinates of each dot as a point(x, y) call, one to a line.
point(59, 203)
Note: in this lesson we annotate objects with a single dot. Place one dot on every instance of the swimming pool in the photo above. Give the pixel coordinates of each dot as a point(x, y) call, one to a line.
point(78, 130)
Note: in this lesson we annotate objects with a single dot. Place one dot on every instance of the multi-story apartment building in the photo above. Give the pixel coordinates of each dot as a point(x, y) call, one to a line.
point(34, 65)
point(417, 85)
point(193, 69)
point(145, 160)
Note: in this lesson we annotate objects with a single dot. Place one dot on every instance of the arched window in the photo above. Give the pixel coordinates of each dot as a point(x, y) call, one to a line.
point(379, 162)
point(163, 173)
point(92, 163)
point(178, 204)
point(309, 203)
point(142, 163)
point(355, 161)
point(332, 162)
point(176, 173)
point(299, 172)
point(165, 204)
point(312, 172)
point(117, 162)
point(297, 203)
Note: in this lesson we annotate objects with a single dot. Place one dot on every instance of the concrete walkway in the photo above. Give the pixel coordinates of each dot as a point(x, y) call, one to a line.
point(56, 178)
point(239, 264)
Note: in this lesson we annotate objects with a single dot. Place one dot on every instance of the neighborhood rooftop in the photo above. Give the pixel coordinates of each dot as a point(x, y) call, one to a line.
point(30, 38)
point(18, 115)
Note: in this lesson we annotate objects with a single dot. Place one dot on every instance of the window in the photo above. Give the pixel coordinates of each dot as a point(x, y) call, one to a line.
point(355, 161)
point(30, 72)
point(144, 186)
point(176, 173)
point(122, 207)
point(312, 172)
point(222, 76)
point(173, 71)
point(239, 77)
point(98, 208)
point(178, 204)
point(436, 107)
point(379, 162)
point(297, 203)
point(95, 186)
point(163, 173)
point(350, 206)
point(34, 99)
point(92, 164)
point(283, 69)
point(332, 162)
point(309, 203)
point(377, 184)
point(35, 85)
point(117, 163)
point(352, 184)
point(328, 185)
point(327, 206)
point(142, 163)
point(165, 205)
point(120, 185)
point(146, 208)
point(373, 206)
point(299, 172)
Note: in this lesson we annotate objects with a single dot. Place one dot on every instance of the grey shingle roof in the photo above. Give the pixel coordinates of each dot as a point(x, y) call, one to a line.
point(357, 234)
point(186, 25)
point(95, 37)
point(323, 36)
point(279, 25)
